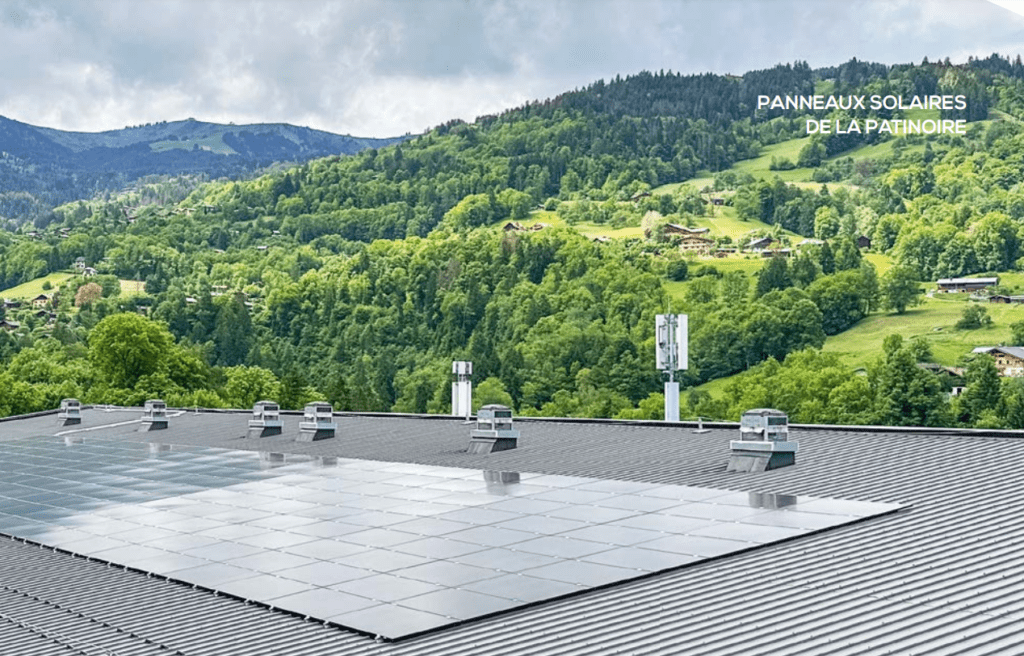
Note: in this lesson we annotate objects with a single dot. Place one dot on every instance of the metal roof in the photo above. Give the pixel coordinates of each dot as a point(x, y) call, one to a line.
point(945, 576)
point(994, 280)
point(1015, 351)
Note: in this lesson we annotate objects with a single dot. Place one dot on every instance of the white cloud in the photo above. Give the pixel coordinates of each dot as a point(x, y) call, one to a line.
point(385, 67)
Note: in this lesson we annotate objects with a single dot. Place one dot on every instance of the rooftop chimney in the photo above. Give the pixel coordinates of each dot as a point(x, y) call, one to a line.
point(154, 415)
point(317, 422)
point(493, 430)
point(763, 443)
point(70, 412)
point(462, 389)
point(266, 419)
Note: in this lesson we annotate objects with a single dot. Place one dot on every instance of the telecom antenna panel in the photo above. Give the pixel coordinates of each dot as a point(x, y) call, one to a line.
point(671, 334)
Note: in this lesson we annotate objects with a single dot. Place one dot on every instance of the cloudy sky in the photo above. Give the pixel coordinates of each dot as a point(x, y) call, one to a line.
point(386, 67)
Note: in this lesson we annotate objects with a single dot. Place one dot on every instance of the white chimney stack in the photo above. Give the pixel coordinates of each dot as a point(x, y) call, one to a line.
point(462, 389)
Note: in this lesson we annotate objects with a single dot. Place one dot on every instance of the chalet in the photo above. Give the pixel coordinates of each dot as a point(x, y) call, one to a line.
point(696, 244)
point(718, 201)
point(41, 301)
point(1009, 359)
point(863, 242)
point(1000, 298)
point(89, 272)
point(9, 325)
point(80, 263)
point(948, 285)
point(941, 369)
point(676, 229)
point(513, 226)
point(760, 243)
point(10, 304)
point(776, 252)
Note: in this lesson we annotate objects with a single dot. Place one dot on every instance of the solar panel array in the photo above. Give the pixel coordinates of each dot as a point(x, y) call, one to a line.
point(390, 549)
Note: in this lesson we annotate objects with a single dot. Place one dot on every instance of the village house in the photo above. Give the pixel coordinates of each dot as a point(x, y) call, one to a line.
point(1001, 298)
point(696, 244)
point(676, 229)
point(1009, 359)
point(948, 285)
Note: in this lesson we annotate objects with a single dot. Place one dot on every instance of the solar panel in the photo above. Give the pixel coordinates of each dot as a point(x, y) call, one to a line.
point(389, 549)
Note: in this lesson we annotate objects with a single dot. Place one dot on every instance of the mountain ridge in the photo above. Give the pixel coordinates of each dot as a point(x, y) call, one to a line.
point(41, 168)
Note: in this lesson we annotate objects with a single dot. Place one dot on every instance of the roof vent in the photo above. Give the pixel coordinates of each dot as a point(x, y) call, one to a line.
point(270, 460)
point(317, 422)
point(763, 443)
point(266, 419)
point(493, 430)
point(154, 415)
point(462, 389)
point(500, 482)
point(70, 412)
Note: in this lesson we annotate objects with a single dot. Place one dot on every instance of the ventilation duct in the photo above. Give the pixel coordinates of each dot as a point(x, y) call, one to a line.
point(154, 415)
point(317, 422)
point(70, 412)
point(493, 430)
point(764, 442)
point(266, 419)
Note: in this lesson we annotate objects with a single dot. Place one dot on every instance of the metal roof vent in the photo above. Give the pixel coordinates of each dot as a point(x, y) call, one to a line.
point(266, 419)
point(317, 422)
point(70, 412)
point(462, 389)
point(154, 415)
point(493, 430)
point(764, 442)
point(269, 460)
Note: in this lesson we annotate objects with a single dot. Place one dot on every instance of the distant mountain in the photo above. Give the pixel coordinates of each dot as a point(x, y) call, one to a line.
point(41, 168)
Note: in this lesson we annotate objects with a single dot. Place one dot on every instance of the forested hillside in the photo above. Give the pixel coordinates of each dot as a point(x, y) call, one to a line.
point(358, 279)
point(41, 168)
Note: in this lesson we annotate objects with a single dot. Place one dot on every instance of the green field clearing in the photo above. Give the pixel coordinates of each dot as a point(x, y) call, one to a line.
point(758, 166)
point(132, 287)
point(212, 143)
point(726, 223)
point(934, 321)
point(881, 261)
point(34, 288)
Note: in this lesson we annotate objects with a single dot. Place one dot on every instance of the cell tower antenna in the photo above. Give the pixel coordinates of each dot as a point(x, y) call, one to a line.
point(671, 337)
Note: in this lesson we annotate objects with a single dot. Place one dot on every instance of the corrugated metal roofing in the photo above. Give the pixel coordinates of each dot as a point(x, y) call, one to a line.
point(943, 577)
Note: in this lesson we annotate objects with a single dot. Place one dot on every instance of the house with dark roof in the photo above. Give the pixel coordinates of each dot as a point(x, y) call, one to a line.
point(197, 539)
point(676, 229)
